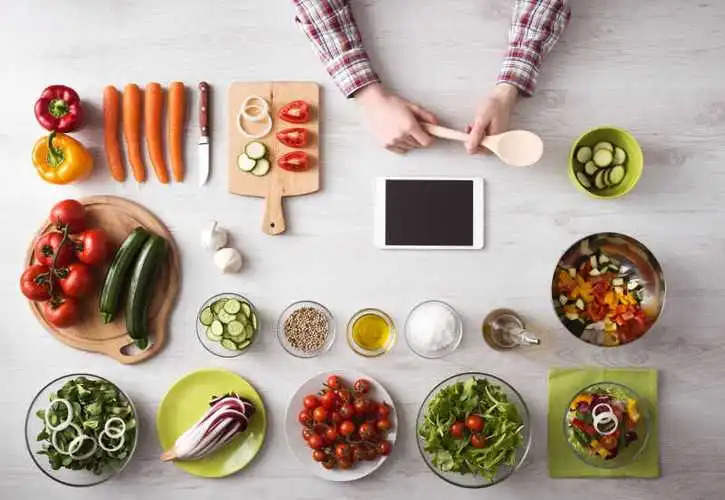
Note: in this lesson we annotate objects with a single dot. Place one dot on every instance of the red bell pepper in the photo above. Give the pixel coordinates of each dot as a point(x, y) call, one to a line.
point(59, 109)
point(584, 427)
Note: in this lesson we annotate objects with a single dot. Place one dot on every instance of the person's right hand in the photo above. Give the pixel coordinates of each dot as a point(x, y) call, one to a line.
point(394, 120)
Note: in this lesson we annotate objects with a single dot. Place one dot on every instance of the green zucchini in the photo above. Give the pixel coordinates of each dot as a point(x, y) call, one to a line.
point(140, 290)
point(118, 272)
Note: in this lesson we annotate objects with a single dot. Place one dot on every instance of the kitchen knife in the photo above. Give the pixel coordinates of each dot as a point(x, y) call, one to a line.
point(204, 133)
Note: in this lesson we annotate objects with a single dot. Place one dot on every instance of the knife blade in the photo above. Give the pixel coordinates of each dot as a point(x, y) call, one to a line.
point(203, 133)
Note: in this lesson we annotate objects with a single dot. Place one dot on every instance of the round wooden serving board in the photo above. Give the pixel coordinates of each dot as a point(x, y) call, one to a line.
point(118, 217)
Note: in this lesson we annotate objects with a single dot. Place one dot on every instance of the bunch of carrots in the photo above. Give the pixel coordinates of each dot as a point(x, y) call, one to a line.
point(128, 107)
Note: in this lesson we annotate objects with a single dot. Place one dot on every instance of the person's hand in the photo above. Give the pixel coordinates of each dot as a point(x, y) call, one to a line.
point(394, 120)
point(492, 117)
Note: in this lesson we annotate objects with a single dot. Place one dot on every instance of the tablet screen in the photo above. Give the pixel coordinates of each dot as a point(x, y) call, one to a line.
point(432, 212)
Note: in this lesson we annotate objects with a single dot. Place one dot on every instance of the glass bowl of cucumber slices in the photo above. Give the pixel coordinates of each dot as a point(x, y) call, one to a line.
point(606, 162)
point(227, 325)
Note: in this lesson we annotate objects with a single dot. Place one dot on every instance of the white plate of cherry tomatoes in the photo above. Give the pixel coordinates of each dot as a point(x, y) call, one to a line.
point(342, 425)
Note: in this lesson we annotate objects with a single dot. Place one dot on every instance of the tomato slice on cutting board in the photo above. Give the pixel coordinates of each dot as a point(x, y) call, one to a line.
point(295, 161)
point(293, 137)
point(295, 112)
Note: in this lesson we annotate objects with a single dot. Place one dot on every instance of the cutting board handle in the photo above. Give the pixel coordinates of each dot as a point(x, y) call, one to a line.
point(273, 213)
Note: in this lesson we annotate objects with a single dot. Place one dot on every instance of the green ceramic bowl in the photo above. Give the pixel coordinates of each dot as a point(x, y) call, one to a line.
point(619, 137)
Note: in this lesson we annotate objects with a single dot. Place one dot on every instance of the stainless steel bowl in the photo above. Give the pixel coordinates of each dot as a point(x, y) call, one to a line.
point(629, 252)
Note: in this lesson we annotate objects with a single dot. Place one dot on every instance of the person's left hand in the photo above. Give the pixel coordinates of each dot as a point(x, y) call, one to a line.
point(492, 117)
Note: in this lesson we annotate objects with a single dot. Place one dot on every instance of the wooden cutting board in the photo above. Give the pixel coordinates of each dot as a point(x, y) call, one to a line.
point(118, 217)
point(278, 183)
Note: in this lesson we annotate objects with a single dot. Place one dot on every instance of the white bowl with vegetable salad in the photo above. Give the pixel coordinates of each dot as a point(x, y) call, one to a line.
point(473, 430)
point(81, 429)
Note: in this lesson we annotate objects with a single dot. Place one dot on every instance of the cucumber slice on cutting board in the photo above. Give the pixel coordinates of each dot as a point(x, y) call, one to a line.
point(262, 167)
point(245, 163)
point(255, 150)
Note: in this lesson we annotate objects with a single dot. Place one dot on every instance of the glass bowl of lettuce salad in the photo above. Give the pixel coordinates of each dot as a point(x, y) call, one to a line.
point(473, 430)
point(607, 425)
point(81, 429)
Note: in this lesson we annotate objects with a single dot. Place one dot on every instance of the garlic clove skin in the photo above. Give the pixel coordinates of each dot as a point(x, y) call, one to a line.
point(214, 237)
point(228, 260)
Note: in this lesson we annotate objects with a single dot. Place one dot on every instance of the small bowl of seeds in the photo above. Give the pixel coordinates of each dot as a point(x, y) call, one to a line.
point(306, 329)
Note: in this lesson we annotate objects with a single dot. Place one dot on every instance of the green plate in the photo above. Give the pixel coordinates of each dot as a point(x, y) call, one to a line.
point(188, 399)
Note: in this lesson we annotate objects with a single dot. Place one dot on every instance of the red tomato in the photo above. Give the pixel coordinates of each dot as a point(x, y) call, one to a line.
point(457, 430)
point(329, 400)
point(316, 442)
point(295, 112)
point(384, 425)
point(346, 428)
point(311, 402)
point(331, 435)
point(293, 137)
point(319, 414)
point(383, 410)
point(372, 453)
point(334, 382)
point(93, 247)
point(478, 441)
point(362, 405)
point(305, 417)
point(68, 213)
point(35, 282)
point(48, 245)
point(474, 423)
point(336, 417)
point(294, 161)
point(64, 313)
point(367, 431)
point(344, 395)
point(343, 452)
point(347, 411)
point(328, 464)
point(361, 386)
point(76, 280)
point(318, 456)
point(384, 447)
point(306, 433)
point(344, 464)
point(358, 453)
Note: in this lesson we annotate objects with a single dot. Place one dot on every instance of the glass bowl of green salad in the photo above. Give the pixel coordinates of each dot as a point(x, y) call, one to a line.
point(607, 425)
point(473, 430)
point(81, 429)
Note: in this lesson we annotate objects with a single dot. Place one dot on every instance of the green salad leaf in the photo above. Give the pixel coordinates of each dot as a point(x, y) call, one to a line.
point(454, 403)
point(93, 403)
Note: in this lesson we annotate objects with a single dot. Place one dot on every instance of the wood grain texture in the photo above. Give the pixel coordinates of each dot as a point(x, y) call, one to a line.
point(653, 67)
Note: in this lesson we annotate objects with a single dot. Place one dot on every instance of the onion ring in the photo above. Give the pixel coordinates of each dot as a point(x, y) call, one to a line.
point(122, 440)
point(265, 131)
point(262, 105)
point(608, 407)
point(117, 431)
point(612, 418)
point(68, 419)
point(260, 116)
point(55, 433)
point(76, 444)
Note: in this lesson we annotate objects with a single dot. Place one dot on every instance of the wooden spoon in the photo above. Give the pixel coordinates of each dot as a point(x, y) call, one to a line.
point(516, 148)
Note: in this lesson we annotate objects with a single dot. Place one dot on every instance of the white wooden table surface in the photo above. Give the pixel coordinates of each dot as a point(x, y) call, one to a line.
point(652, 67)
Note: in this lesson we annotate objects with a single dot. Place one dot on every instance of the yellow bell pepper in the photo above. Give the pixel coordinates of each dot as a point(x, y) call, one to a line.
point(60, 159)
point(632, 410)
point(581, 398)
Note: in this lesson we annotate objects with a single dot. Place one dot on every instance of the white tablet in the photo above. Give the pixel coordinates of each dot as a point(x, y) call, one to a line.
point(436, 213)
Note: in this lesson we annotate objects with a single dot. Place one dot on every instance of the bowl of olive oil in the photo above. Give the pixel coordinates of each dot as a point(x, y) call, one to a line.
point(371, 332)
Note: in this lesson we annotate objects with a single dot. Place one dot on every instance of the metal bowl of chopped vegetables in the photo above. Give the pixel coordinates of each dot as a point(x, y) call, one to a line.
point(306, 329)
point(473, 430)
point(608, 289)
point(81, 429)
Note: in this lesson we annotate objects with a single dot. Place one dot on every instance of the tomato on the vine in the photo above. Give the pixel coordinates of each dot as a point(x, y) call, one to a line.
point(319, 414)
point(331, 435)
point(51, 244)
point(344, 464)
point(307, 433)
point(76, 280)
point(343, 452)
point(328, 464)
point(346, 428)
point(361, 386)
point(318, 455)
point(336, 417)
point(367, 431)
point(384, 447)
point(316, 442)
point(478, 440)
point(384, 425)
point(311, 402)
point(93, 247)
point(347, 411)
point(35, 282)
point(68, 213)
point(457, 430)
point(474, 423)
point(383, 410)
point(372, 453)
point(344, 394)
point(362, 405)
point(62, 313)
point(329, 400)
point(334, 382)
point(305, 417)
point(358, 453)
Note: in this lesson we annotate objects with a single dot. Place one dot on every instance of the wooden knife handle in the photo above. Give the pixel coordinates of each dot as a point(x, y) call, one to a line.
point(204, 108)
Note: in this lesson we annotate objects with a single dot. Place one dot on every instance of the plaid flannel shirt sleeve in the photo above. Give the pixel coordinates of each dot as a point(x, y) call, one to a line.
point(536, 27)
point(330, 26)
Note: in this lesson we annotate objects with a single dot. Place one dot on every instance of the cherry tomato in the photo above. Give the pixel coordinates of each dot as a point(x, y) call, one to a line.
point(367, 431)
point(294, 161)
point(316, 442)
point(318, 456)
point(68, 213)
point(305, 417)
point(343, 452)
point(35, 282)
point(362, 405)
point(358, 453)
point(319, 414)
point(331, 435)
point(307, 433)
point(295, 112)
point(50, 244)
point(383, 410)
point(372, 453)
point(328, 464)
point(384, 447)
point(347, 411)
point(346, 428)
point(457, 430)
point(311, 402)
point(361, 386)
point(334, 382)
point(384, 425)
point(295, 137)
point(344, 464)
point(63, 313)
point(336, 417)
point(478, 440)
point(474, 423)
point(76, 280)
point(329, 400)
point(93, 247)
point(344, 395)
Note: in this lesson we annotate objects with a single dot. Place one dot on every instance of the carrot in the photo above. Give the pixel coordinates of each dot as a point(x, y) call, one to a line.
point(111, 118)
point(132, 129)
point(176, 111)
point(153, 108)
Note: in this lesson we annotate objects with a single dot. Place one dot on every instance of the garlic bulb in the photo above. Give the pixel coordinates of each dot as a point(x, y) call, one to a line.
point(229, 260)
point(214, 237)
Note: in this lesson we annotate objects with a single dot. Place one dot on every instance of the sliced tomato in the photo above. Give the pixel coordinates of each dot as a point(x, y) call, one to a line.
point(295, 137)
point(596, 311)
point(295, 112)
point(295, 161)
